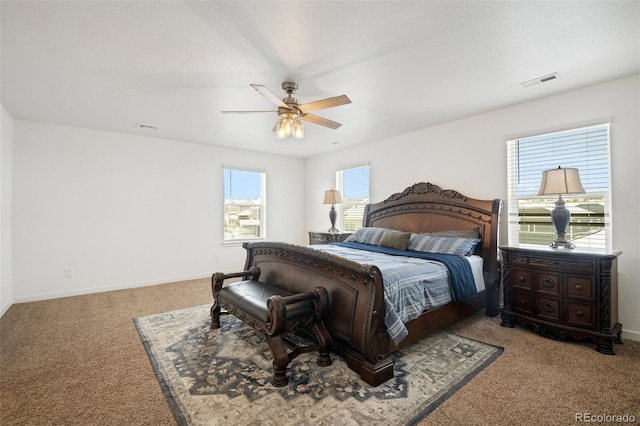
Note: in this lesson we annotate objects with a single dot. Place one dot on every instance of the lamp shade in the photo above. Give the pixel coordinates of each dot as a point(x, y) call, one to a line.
point(332, 196)
point(561, 181)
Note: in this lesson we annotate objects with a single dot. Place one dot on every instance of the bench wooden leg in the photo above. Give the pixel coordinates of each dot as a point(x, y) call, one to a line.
point(215, 316)
point(280, 360)
point(324, 341)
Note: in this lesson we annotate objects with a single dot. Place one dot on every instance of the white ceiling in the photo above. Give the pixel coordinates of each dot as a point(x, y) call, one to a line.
point(405, 65)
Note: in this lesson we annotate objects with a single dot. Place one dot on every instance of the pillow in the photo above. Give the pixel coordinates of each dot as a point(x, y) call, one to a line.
point(436, 244)
point(395, 239)
point(366, 235)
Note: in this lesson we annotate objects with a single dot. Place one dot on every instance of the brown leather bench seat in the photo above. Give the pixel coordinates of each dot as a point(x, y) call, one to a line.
point(275, 313)
point(250, 298)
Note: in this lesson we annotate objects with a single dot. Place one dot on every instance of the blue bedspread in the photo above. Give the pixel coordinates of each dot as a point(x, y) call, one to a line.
point(459, 269)
point(413, 281)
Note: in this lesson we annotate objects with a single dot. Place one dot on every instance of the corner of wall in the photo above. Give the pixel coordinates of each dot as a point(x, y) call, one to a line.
point(6, 207)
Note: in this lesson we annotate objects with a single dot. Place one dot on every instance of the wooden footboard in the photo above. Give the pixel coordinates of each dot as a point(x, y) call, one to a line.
point(356, 303)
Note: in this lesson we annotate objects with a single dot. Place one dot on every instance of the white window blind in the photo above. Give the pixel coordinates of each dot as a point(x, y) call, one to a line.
point(353, 184)
point(586, 149)
point(244, 205)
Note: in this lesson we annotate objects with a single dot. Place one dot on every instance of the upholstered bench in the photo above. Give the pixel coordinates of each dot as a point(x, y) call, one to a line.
point(277, 314)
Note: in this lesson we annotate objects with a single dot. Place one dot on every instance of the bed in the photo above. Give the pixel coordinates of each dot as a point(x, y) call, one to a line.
point(356, 318)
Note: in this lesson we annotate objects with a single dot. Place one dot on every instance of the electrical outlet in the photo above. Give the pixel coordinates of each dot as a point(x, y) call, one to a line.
point(216, 257)
point(68, 273)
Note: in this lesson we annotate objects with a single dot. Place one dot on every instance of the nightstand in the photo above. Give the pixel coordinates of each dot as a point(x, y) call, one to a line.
point(562, 293)
point(327, 237)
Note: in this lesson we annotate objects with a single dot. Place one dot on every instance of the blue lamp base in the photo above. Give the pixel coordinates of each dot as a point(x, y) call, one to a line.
point(560, 217)
point(333, 216)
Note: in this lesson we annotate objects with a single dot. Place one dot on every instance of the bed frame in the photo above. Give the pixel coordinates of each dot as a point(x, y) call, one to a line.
point(356, 314)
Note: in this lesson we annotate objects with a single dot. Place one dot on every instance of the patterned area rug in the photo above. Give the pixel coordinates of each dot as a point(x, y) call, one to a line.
point(213, 377)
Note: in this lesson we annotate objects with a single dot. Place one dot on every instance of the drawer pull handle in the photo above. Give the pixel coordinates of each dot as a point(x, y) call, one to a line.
point(578, 313)
point(579, 287)
point(523, 302)
point(521, 279)
point(548, 283)
point(548, 307)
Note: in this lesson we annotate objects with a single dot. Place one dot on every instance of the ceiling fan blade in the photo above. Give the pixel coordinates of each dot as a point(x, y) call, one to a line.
point(245, 112)
point(321, 121)
point(324, 103)
point(269, 95)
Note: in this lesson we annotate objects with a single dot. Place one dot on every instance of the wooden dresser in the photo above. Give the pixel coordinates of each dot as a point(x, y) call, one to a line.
point(562, 293)
point(327, 237)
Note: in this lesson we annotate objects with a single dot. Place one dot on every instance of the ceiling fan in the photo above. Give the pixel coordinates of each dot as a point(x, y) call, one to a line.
point(290, 112)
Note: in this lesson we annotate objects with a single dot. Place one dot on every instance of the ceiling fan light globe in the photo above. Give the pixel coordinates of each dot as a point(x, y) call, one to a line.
point(288, 126)
point(298, 130)
point(280, 131)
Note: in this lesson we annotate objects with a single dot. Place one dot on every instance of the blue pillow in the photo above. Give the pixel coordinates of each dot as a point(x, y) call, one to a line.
point(434, 244)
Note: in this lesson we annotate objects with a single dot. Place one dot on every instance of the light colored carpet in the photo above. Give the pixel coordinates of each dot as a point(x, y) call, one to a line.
point(222, 376)
point(80, 361)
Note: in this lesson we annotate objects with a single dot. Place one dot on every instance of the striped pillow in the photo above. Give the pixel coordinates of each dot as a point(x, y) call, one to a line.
point(367, 235)
point(444, 245)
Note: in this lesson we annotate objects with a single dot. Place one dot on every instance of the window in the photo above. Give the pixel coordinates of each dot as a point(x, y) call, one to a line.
point(244, 205)
point(586, 149)
point(353, 184)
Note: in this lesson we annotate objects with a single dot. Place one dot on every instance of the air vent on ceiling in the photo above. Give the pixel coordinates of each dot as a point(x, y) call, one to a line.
point(539, 80)
point(147, 127)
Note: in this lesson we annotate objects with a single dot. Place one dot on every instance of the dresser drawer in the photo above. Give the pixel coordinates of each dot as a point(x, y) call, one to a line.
point(557, 263)
point(581, 315)
point(521, 277)
point(523, 302)
point(547, 283)
point(548, 309)
point(581, 287)
point(327, 237)
point(317, 238)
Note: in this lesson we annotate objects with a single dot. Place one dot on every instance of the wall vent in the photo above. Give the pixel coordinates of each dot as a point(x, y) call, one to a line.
point(539, 80)
point(147, 127)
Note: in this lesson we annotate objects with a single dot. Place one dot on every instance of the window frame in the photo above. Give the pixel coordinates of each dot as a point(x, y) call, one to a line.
point(596, 194)
point(262, 207)
point(340, 208)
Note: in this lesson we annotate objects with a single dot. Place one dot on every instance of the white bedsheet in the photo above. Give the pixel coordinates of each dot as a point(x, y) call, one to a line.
point(477, 263)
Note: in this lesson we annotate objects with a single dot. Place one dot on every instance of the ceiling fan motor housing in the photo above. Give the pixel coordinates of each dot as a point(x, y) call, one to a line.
point(290, 87)
point(292, 111)
point(292, 102)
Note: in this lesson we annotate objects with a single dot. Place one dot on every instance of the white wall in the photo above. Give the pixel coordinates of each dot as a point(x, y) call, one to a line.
point(122, 211)
point(6, 143)
point(469, 155)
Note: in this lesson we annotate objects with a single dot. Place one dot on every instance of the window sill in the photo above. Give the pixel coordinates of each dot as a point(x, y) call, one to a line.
point(239, 242)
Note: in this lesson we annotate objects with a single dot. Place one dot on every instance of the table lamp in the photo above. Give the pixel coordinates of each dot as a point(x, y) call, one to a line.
point(560, 181)
point(332, 197)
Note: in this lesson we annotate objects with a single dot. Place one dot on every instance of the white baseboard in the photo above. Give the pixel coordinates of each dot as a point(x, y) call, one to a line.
point(125, 286)
point(631, 335)
point(5, 308)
